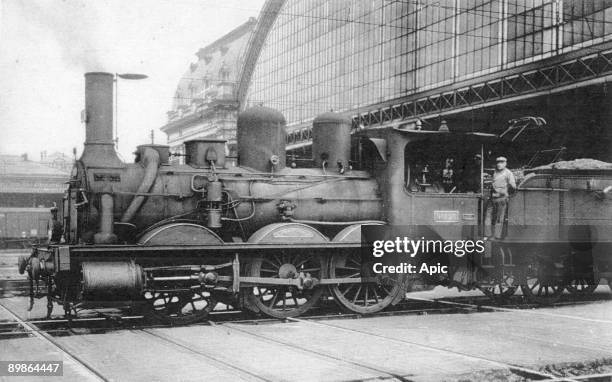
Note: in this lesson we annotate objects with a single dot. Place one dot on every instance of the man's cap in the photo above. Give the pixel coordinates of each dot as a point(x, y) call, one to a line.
point(478, 156)
point(54, 209)
point(500, 159)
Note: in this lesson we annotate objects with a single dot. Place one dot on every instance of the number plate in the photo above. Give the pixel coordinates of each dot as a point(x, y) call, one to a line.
point(446, 216)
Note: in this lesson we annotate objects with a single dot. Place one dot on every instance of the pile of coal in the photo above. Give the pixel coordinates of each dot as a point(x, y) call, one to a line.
point(576, 164)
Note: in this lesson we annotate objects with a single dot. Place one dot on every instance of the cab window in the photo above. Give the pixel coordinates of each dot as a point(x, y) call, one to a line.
point(442, 166)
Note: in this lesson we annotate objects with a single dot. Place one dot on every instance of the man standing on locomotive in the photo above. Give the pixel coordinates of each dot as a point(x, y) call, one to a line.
point(503, 183)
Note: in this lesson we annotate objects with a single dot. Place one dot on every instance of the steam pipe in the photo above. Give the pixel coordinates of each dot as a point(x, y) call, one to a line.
point(151, 160)
point(106, 235)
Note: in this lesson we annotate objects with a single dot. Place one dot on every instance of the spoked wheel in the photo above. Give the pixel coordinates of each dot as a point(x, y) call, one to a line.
point(361, 297)
point(540, 290)
point(541, 287)
point(180, 308)
point(286, 301)
point(504, 288)
point(499, 291)
point(582, 286)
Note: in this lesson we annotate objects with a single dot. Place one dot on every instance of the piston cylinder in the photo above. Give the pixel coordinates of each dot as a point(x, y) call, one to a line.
point(117, 280)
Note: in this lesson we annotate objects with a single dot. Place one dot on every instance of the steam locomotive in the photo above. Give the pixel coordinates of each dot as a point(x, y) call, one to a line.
point(275, 239)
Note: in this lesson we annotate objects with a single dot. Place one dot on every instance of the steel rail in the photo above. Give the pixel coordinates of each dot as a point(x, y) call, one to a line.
point(603, 377)
point(47, 338)
point(318, 353)
point(502, 309)
point(439, 350)
point(473, 307)
point(226, 365)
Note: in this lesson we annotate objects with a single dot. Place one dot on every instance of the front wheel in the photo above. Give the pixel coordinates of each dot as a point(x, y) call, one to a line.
point(180, 308)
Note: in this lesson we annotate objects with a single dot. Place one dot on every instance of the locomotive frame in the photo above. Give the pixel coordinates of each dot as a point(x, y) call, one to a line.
point(177, 240)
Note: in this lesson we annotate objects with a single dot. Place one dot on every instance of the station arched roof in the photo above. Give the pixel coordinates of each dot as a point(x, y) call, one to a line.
point(265, 22)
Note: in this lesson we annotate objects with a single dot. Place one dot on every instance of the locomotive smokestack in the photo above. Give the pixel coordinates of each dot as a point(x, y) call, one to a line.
point(99, 148)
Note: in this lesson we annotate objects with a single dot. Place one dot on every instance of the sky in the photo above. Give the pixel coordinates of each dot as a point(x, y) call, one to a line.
point(47, 45)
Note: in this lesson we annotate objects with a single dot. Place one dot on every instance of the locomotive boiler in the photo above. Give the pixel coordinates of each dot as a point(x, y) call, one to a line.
point(265, 236)
point(130, 198)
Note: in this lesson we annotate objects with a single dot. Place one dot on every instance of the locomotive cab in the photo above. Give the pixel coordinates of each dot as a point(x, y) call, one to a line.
point(437, 176)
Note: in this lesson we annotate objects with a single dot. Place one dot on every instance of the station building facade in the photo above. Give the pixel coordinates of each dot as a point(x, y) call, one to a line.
point(204, 104)
point(474, 63)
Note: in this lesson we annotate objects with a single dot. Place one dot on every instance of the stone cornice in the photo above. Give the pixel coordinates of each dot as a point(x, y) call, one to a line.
point(191, 118)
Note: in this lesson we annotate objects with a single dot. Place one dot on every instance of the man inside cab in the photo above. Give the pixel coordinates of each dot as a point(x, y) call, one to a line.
point(470, 176)
point(503, 184)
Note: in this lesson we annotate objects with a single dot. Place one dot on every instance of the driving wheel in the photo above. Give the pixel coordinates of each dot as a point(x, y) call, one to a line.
point(284, 301)
point(375, 294)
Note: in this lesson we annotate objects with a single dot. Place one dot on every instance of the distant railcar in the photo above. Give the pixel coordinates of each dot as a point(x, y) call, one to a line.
point(22, 227)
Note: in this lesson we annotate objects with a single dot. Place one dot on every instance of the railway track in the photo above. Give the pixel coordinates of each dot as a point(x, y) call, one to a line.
point(235, 323)
point(218, 361)
point(113, 322)
point(103, 322)
point(323, 321)
point(30, 328)
point(524, 310)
